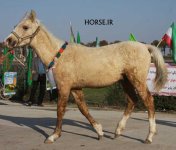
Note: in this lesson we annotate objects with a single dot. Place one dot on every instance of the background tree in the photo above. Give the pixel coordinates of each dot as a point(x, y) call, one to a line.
point(103, 43)
point(155, 42)
point(91, 44)
point(117, 41)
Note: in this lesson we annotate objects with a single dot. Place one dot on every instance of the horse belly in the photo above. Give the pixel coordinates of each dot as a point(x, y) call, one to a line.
point(100, 78)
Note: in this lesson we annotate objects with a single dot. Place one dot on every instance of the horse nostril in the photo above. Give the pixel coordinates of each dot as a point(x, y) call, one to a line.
point(13, 43)
point(9, 40)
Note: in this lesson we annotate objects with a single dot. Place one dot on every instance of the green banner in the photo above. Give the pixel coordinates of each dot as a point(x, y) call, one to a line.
point(29, 67)
point(132, 37)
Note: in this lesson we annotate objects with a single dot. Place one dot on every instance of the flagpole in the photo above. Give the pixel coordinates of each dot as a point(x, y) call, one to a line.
point(5, 56)
point(19, 61)
point(159, 43)
point(72, 34)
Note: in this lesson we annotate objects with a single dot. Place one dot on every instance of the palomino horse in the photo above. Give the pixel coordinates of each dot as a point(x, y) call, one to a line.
point(79, 66)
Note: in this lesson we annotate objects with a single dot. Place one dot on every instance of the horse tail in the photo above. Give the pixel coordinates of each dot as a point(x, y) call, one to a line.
point(161, 69)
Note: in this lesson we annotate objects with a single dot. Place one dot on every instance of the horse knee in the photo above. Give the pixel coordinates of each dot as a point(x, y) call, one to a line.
point(129, 108)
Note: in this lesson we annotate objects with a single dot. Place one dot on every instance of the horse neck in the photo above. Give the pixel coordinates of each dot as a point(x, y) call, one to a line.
point(46, 45)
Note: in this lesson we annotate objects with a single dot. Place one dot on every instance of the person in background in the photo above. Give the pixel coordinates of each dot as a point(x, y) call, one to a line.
point(2, 57)
point(38, 79)
point(52, 88)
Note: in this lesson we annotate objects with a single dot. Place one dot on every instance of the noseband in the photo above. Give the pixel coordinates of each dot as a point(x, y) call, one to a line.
point(20, 39)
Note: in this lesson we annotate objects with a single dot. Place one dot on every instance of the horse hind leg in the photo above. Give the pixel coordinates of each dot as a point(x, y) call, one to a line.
point(147, 99)
point(148, 102)
point(132, 100)
point(79, 99)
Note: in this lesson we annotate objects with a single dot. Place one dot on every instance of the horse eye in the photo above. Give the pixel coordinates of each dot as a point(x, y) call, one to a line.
point(25, 28)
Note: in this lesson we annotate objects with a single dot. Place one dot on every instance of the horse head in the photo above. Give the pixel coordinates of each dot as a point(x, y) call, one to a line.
point(24, 32)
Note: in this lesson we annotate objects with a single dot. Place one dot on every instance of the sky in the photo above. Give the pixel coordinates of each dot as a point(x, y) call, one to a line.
point(148, 20)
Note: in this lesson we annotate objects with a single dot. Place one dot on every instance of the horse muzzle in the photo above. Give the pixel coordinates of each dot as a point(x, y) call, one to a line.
point(10, 42)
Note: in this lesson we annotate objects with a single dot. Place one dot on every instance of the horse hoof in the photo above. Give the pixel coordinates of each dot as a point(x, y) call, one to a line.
point(51, 138)
point(147, 141)
point(116, 136)
point(48, 141)
point(100, 137)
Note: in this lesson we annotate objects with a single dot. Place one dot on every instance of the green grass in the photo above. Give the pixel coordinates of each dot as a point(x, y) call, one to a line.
point(95, 96)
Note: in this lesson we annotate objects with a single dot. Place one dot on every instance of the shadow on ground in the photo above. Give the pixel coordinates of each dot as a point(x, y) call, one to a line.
point(159, 121)
point(36, 123)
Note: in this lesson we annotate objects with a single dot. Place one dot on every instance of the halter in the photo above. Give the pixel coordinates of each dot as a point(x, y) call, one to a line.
point(51, 64)
point(20, 39)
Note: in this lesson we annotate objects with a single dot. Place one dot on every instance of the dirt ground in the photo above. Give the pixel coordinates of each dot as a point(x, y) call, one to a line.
point(25, 128)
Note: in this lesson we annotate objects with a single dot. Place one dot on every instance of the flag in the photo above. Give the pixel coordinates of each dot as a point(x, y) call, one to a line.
point(78, 38)
point(5, 51)
point(9, 56)
point(97, 42)
point(7, 63)
point(10, 59)
point(170, 39)
point(72, 37)
point(132, 37)
point(4, 65)
point(29, 67)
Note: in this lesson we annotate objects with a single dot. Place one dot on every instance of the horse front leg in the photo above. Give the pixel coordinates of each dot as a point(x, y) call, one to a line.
point(61, 106)
point(80, 101)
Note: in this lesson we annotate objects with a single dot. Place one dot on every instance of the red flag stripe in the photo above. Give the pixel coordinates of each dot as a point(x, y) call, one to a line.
point(167, 39)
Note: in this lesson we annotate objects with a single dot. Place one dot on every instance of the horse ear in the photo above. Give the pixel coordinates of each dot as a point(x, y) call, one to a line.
point(32, 16)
